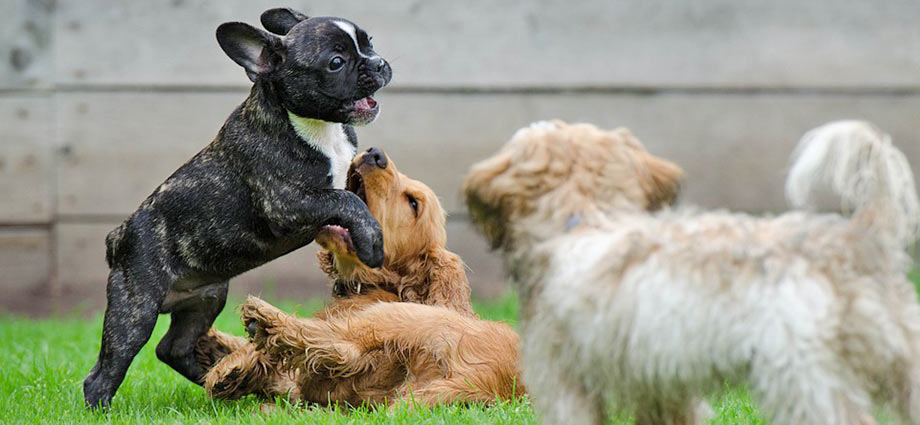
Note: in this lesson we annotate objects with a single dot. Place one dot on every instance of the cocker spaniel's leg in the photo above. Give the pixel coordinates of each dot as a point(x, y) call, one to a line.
point(342, 345)
point(245, 371)
point(453, 390)
point(214, 346)
point(313, 345)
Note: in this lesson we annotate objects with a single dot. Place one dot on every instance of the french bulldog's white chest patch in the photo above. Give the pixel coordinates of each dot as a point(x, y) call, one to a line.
point(330, 139)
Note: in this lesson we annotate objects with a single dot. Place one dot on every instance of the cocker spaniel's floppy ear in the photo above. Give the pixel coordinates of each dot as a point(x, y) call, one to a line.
point(663, 182)
point(447, 283)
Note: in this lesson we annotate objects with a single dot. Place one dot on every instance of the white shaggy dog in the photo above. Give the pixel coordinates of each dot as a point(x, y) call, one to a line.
point(650, 311)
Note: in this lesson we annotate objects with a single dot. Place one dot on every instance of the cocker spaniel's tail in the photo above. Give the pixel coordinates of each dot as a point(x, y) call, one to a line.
point(853, 168)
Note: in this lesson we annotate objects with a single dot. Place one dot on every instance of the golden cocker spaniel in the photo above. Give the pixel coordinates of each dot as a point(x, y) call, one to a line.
point(404, 331)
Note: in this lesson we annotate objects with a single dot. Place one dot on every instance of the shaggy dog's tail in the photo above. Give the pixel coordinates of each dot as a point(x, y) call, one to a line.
point(853, 167)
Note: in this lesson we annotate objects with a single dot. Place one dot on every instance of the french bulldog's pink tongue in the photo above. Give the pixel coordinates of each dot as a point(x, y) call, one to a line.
point(365, 104)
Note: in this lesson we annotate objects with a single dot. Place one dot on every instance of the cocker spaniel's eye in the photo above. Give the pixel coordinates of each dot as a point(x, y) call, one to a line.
point(412, 203)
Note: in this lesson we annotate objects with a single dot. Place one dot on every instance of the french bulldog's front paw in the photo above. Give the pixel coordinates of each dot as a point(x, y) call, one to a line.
point(369, 247)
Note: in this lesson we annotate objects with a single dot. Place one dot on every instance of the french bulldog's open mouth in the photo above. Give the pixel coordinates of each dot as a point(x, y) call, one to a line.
point(364, 111)
point(365, 104)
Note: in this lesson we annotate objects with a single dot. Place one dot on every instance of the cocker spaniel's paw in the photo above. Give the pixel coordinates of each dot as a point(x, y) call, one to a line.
point(214, 346)
point(241, 373)
point(259, 318)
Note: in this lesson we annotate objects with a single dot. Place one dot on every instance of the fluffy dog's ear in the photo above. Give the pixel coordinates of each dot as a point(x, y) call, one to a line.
point(483, 194)
point(663, 182)
point(257, 51)
point(280, 20)
point(447, 282)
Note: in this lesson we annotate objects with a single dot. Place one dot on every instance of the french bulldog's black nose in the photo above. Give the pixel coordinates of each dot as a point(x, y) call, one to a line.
point(376, 157)
point(376, 64)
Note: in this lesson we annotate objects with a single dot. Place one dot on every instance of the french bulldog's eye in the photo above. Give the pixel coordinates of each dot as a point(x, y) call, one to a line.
point(336, 63)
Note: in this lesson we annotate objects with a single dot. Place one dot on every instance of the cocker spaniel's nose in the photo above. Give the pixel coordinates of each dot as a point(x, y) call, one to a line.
point(375, 156)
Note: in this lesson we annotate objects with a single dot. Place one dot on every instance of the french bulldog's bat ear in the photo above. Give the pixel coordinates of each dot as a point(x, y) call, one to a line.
point(257, 51)
point(280, 20)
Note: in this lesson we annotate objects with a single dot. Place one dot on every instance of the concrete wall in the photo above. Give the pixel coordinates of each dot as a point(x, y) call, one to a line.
point(100, 100)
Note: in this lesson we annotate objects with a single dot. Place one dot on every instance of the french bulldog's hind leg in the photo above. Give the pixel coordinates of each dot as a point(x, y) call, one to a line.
point(189, 321)
point(129, 319)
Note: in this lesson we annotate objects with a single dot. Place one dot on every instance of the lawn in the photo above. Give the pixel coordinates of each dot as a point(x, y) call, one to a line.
point(44, 362)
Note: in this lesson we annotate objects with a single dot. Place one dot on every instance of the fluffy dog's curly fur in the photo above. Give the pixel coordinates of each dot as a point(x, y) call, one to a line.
point(650, 311)
point(366, 346)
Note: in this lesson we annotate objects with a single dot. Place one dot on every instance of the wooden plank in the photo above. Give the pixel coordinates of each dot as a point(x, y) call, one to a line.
point(484, 267)
point(116, 148)
point(26, 159)
point(80, 252)
point(25, 54)
point(711, 43)
point(120, 146)
point(25, 258)
point(734, 149)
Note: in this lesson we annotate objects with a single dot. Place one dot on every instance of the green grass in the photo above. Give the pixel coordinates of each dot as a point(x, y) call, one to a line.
point(44, 362)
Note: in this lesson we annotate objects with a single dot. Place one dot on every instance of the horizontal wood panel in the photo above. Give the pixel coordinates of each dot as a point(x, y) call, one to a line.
point(734, 149)
point(119, 147)
point(521, 43)
point(483, 266)
point(26, 159)
point(26, 52)
point(82, 269)
point(116, 148)
point(25, 259)
point(80, 252)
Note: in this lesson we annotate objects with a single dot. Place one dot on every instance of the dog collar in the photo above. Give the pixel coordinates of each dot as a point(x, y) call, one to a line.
point(572, 222)
point(342, 288)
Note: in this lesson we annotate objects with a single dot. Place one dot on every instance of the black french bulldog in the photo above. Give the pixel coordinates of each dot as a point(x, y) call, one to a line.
point(273, 176)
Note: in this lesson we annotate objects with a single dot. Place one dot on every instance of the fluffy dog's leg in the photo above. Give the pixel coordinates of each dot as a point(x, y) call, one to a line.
point(794, 391)
point(910, 399)
point(187, 325)
point(562, 400)
point(558, 395)
point(904, 373)
point(129, 319)
point(312, 344)
point(214, 346)
point(685, 412)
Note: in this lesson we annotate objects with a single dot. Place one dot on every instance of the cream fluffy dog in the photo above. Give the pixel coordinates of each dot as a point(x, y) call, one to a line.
point(651, 311)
